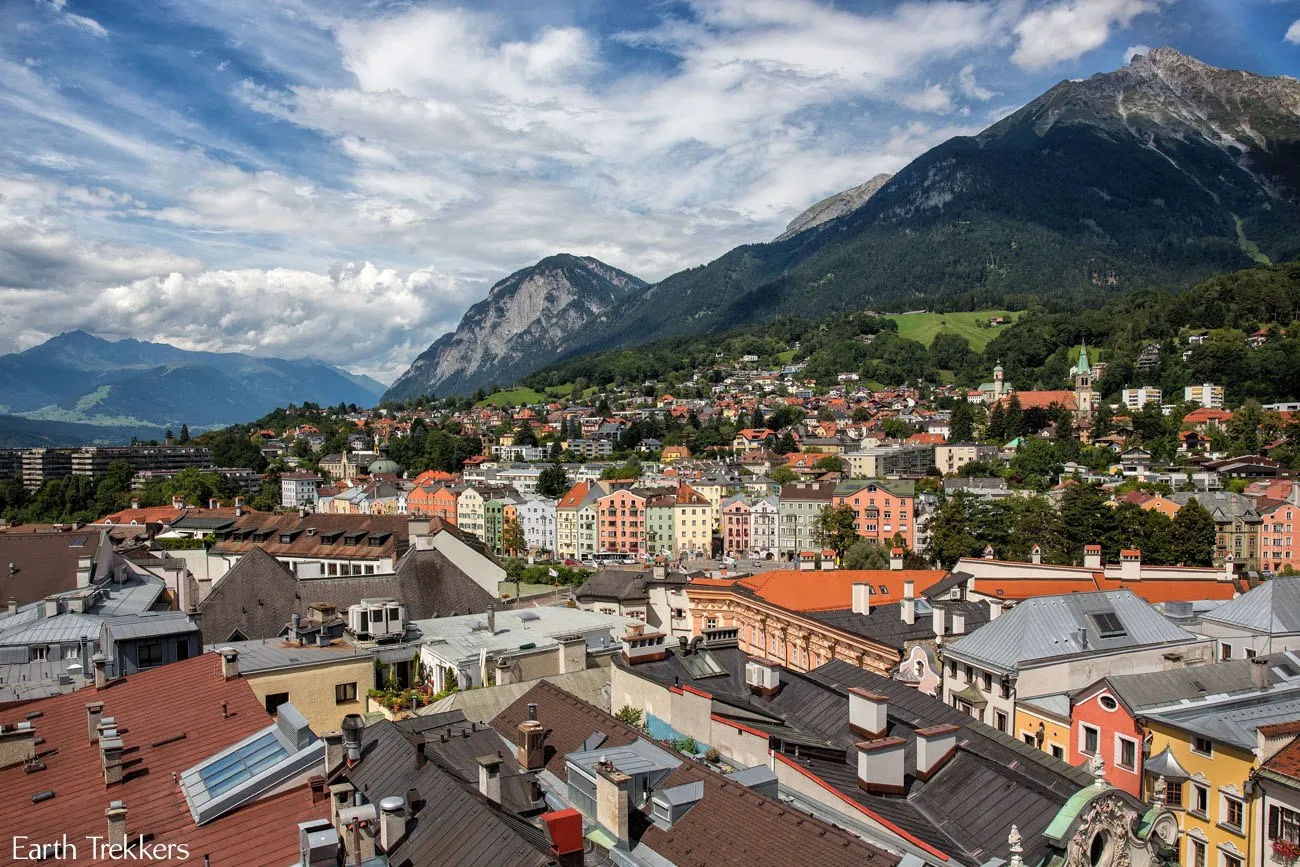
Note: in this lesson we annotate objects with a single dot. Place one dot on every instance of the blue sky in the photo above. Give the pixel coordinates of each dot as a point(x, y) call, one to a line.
point(341, 179)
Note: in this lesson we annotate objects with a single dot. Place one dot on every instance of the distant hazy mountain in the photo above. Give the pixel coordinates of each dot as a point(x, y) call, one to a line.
point(518, 327)
point(77, 377)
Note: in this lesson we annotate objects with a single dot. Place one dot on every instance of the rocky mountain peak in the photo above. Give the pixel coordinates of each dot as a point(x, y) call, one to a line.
point(838, 205)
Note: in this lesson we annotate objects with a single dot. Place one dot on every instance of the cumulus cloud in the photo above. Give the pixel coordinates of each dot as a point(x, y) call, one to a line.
point(1135, 51)
point(1067, 30)
point(934, 99)
point(971, 88)
point(1293, 32)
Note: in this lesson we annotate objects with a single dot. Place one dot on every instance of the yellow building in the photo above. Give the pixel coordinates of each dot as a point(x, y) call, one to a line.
point(323, 683)
point(1044, 722)
point(1207, 751)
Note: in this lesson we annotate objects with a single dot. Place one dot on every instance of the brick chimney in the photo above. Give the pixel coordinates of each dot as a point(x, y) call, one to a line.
point(934, 747)
point(110, 756)
point(1259, 673)
point(868, 713)
point(532, 742)
point(94, 713)
point(12, 606)
point(489, 777)
point(17, 745)
point(1092, 556)
point(334, 753)
point(392, 823)
point(613, 806)
point(907, 610)
point(358, 826)
point(100, 662)
point(880, 766)
point(896, 559)
point(116, 815)
point(861, 598)
point(1130, 565)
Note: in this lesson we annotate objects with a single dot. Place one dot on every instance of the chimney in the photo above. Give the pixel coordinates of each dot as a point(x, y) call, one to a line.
point(1130, 565)
point(564, 828)
point(895, 559)
point(392, 823)
point(1092, 556)
point(213, 503)
point(359, 826)
point(94, 713)
point(84, 566)
point(353, 723)
point(491, 619)
point(229, 662)
point(1229, 572)
point(135, 503)
point(880, 766)
point(908, 609)
point(995, 609)
point(13, 603)
point(17, 745)
point(489, 777)
point(110, 756)
point(100, 662)
point(1259, 672)
point(1036, 554)
point(116, 814)
point(334, 753)
point(934, 746)
point(239, 507)
point(868, 713)
point(612, 802)
point(178, 502)
point(763, 676)
point(958, 623)
point(937, 621)
point(988, 552)
point(295, 625)
point(861, 598)
point(417, 744)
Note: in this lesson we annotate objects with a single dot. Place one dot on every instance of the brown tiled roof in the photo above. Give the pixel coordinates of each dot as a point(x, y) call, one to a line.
point(44, 563)
point(318, 544)
point(179, 704)
point(1287, 762)
point(731, 824)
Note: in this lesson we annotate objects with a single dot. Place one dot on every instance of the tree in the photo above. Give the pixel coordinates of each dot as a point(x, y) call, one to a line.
point(783, 475)
point(961, 426)
point(756, 421)
point(512, 538)
point(836, 528)
point(1244, 428)
point(950, 536)
point(895, 428)
point(866, 554)
point(1192, 535)
point(185, 434)
point(525, 436)
point(1103, 423)
point(830, 464)
point(785, 444)
point(553, 481)
point(1013, 419)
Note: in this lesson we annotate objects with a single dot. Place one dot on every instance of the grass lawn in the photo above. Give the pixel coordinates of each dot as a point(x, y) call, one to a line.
point(521, 395)
point(922, 327)
point(786, 357)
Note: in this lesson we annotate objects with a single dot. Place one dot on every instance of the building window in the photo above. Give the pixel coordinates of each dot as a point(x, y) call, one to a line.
point(1232, 812)
point(1058, 752)
point(1000, 721)
point(1231, 860)
point(988, 682)
point(149, 654)
point(345, 692)
point(1225, 651)
point(952, 668)
point(1089, 739)
point(37, 654)
point(710, 623)
point(1283, 824)
point(1174, 795)
point(274, 700)
point(1198, 853)
point(1201, 745)
point(1126, 753)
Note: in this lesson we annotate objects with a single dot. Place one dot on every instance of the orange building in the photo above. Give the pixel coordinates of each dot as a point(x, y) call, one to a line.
point(1277, 536)
point(621, 522)
point(434, 501)
point(882, 508)
point(782, 615)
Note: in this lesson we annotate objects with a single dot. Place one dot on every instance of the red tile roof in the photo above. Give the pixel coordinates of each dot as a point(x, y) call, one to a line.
point(832, 590)
point(1045, 399)
point(1287, 762)
point(170, 719)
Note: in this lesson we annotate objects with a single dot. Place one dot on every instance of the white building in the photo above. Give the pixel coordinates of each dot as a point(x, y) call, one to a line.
point(763, 527)
point(1207, 395)
point(298, 489)
point(537, 523)
point(1136, 398)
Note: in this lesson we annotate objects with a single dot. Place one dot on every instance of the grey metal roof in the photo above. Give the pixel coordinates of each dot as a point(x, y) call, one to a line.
point(1233, 720)
point(638, 757)
point(686, 793)
point(756, 776)
point(150, 625)
point(1272, 608)
point(1155, 688)
point(1165, 765)
point(268, 654)
point(1046, 627)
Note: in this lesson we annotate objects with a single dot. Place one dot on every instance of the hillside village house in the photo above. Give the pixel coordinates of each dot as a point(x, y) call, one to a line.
point(883, 509)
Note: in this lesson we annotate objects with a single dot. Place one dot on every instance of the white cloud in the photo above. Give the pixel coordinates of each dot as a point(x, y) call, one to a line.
point(1293, 32)
point(934, 99)
point(1135, 50)
point(90, 25)
point(1067, 30)
point(969, 87)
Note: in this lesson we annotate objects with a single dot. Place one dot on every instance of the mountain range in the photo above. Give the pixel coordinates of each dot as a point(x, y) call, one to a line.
point(1160, 173)
point(128, 385)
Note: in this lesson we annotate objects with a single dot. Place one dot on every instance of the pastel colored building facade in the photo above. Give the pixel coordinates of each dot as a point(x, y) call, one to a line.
point(882, 509)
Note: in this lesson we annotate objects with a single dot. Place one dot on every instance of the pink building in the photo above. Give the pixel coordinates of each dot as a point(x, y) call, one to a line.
point(621, 523)
point(735, 526)
point(1277, 537)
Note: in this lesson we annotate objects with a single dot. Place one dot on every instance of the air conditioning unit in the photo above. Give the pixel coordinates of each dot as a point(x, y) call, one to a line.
point(762, 677)
point(379, 619)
